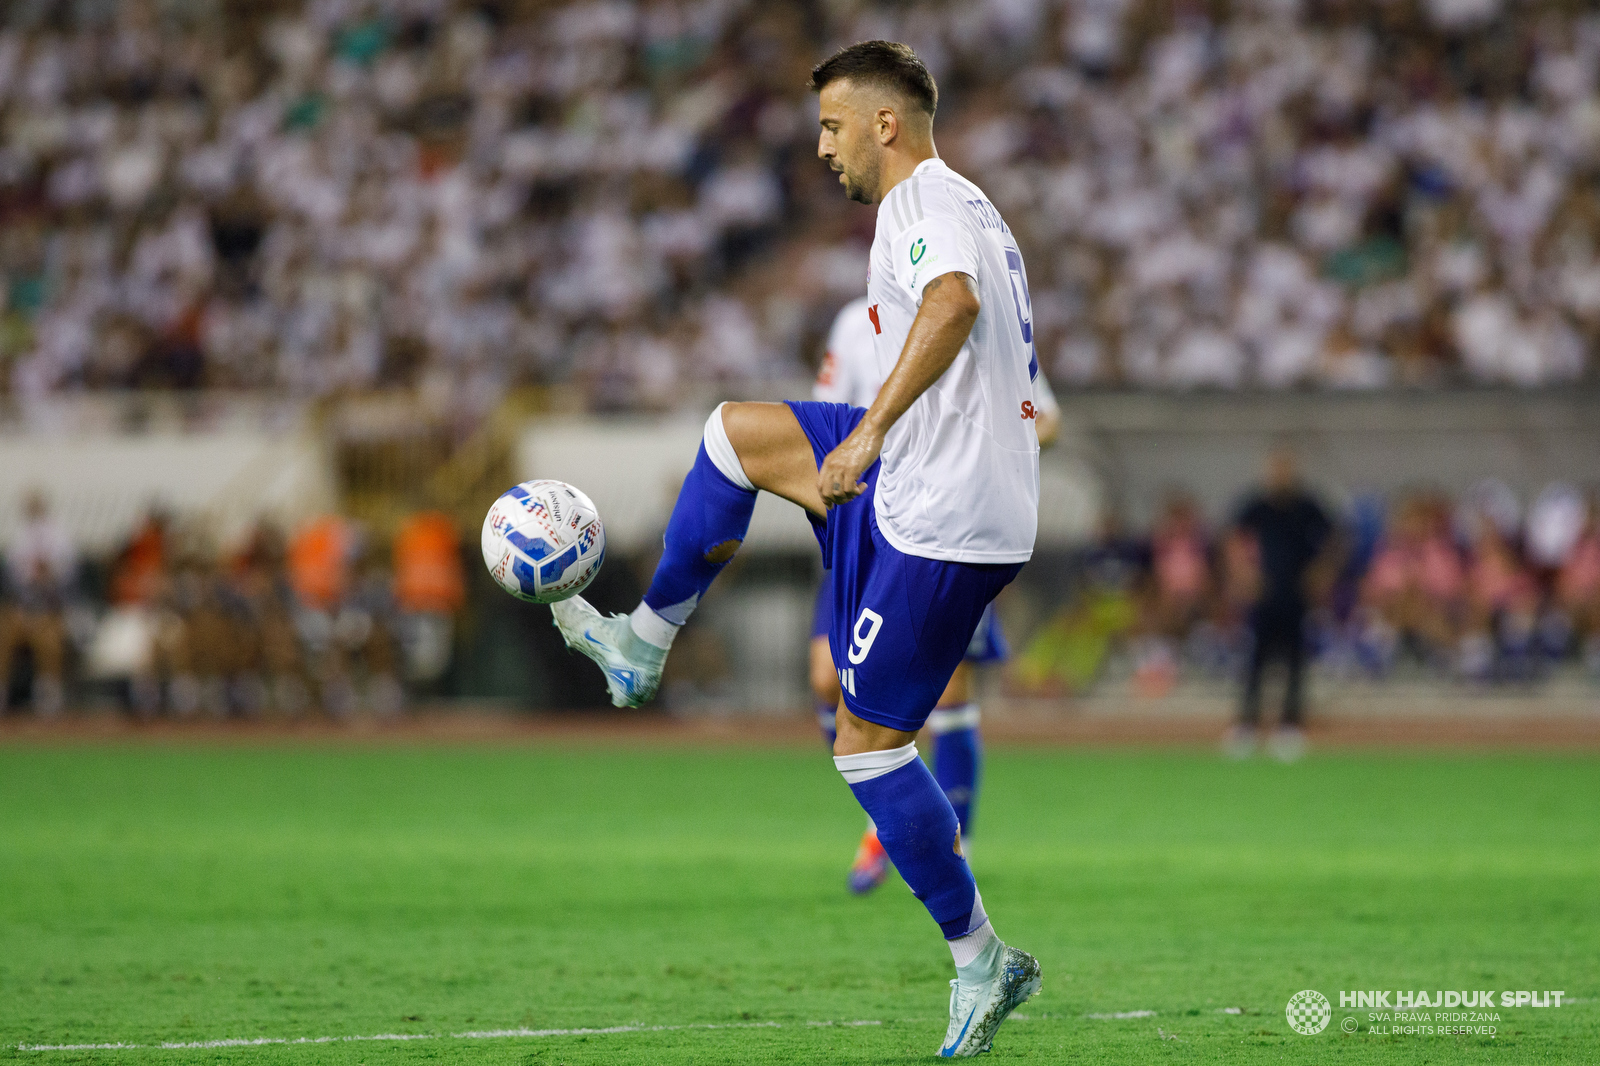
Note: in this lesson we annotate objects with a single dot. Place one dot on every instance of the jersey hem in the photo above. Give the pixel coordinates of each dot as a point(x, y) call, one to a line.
point(906, 547)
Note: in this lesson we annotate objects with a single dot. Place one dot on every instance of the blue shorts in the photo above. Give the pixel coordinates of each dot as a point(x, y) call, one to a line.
point(901, 623)
point(988, 643)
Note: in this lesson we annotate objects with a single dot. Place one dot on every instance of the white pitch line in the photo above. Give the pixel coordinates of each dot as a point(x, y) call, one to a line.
point(476, 1034)
point(504, 1034)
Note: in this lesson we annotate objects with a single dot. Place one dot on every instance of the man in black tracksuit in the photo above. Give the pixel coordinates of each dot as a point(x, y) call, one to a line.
point(1292, 534)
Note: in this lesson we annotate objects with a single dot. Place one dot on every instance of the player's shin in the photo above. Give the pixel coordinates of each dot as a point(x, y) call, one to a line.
point(708, 524)
point(957, 758)
point(918, 830)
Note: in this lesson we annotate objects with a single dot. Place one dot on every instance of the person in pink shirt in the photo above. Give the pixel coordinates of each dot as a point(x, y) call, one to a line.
point(1502, 600)
point(1577, 588)
point(1411, 594)
point(1179, 590)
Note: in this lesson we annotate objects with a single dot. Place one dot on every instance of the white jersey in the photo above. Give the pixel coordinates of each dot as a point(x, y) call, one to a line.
point(960, 476)
point(849, 370)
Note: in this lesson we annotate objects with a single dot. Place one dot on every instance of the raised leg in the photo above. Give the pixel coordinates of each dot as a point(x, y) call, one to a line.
point(773, 452)
point(746, 447)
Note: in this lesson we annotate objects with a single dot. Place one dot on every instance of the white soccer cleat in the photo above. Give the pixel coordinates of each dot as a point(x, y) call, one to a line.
point(1287, 744)
point(976, 1011)
point(632, 666)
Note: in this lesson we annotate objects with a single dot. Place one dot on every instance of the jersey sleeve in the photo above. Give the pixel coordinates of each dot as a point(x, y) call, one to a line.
point(938, 244)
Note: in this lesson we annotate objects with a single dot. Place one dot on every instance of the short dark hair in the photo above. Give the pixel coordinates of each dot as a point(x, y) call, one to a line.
point(885, 63)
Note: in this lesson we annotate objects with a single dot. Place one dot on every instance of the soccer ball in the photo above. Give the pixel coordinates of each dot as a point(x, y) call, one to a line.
point(543, 541)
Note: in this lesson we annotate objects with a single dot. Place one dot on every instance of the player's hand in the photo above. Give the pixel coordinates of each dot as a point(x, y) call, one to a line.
point(839, 478)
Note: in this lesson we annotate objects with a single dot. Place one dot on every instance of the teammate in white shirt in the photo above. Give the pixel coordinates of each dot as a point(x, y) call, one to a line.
point(849, 374)
point(925, 503)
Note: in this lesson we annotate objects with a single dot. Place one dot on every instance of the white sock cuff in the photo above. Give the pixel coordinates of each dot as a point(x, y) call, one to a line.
point(965, 950)
point(720, 449)
point(950, 719)
point(651, 628)
point(871, 764)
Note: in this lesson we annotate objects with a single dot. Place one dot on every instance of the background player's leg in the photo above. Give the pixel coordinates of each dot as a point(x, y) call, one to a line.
point(957, 752)
point(1241, 740)
point(918, 830)
point(870, 867)
point(824, 688)
point(1288, 740)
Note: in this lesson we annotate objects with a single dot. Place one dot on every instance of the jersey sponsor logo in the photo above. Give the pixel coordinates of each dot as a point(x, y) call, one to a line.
point(872, 313)
point(1028, 411)
point(917, 251)
point(862, 642)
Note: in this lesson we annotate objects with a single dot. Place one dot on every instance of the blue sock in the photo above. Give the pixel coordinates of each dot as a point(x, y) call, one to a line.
point(918, 829)
point(957, 757)
point(708, 524)
point(827, 721)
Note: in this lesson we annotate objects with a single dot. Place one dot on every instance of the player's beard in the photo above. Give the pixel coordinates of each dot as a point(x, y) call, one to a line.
point(860, 182)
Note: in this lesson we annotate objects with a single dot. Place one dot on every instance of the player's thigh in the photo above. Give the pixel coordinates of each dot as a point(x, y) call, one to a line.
point(824, 678)
point(774, 451)
point(856, 735)
point(959, 690)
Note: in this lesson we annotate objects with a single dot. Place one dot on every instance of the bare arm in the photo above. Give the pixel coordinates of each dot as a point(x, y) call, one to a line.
point(1048, 421)
point(1049, 428)
point(949, 308)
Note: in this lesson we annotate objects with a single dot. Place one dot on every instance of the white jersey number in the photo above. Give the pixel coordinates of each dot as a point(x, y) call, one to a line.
point(863, 644)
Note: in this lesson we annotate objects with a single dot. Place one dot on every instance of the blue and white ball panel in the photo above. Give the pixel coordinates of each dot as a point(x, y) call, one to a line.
point(543, 541)
point(901, 623)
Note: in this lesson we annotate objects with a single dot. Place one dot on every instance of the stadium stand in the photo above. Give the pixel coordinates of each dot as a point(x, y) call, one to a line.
point(331, 196)
point(617, 204)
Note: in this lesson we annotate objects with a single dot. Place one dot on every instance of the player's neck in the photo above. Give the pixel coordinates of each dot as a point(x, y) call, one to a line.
point(898, 166)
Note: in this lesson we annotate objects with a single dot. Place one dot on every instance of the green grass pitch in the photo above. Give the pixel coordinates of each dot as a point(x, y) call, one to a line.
point(152, 894)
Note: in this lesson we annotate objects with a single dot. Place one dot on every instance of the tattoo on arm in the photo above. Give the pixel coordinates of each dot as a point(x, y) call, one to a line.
point(966, 279)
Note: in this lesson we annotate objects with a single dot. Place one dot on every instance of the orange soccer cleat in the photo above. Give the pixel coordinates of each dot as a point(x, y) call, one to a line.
point(871, 866)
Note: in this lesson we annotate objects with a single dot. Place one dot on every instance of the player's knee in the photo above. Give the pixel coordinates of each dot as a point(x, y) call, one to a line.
point(739, 423)
point(756, 433)
point(721, 447)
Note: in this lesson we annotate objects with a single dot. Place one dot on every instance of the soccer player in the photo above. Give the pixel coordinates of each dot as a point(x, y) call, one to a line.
point(925, 504)
point(849, 374)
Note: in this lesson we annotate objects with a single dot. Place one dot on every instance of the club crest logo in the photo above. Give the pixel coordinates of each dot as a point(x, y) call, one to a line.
point(1308, 1012)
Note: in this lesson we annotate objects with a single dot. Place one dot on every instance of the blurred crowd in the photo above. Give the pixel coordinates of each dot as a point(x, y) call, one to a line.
point(320, 196)
point(318, 622)
point(1477, 588)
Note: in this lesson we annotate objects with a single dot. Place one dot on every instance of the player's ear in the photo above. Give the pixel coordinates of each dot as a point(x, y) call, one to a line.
point(886, 124)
